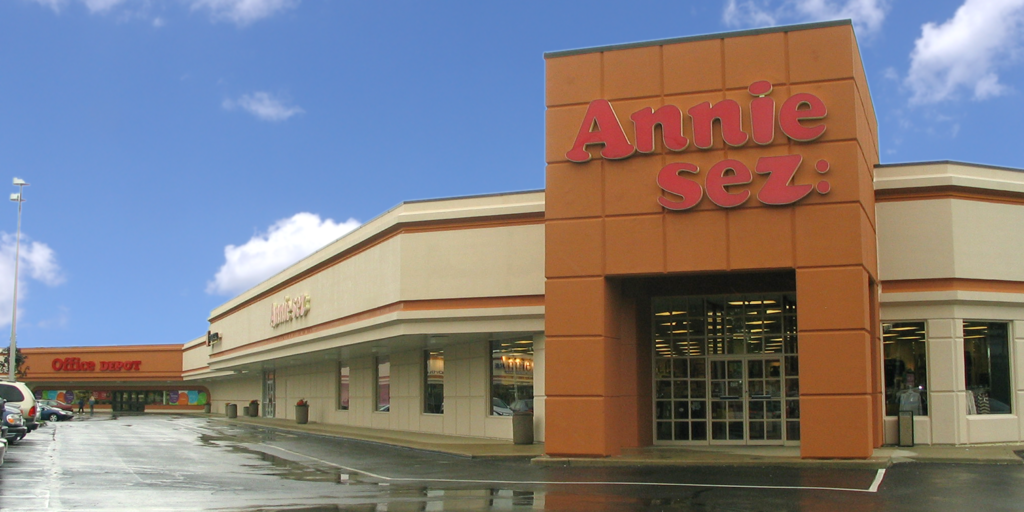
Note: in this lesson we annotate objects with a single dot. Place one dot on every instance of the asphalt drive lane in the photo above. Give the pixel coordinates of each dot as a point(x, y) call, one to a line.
point(160, 462)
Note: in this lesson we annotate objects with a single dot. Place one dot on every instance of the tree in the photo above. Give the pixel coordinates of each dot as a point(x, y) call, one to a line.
point(20, 359)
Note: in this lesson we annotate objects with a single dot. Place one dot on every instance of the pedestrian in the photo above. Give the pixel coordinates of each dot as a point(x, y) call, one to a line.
point(81, 404)
point(92, 404)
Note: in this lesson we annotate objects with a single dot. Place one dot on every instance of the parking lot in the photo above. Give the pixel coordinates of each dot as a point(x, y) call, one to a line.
point(196, 463)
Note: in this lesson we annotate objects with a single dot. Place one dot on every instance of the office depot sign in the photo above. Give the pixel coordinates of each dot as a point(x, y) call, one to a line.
point(75, 364)
point(798, 119)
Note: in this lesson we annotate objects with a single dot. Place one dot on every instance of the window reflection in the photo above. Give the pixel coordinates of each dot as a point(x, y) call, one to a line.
point(987, 367)
point(906, 368)
point(511, 376)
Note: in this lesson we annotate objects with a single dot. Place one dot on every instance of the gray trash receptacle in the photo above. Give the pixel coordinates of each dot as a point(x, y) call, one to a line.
point(522, 427)
point(245, 410)
point(906, 428)
point(207, 408)
point(232, 410)
point(254, 409)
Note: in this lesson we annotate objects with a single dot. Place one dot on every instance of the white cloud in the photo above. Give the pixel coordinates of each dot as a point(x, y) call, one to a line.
point(239, 12)
point(38, 263)
point(101, 5)
point(265, 254)
point(242, 12)
point(867, 15)
point(965, 50)
point(264, 106)
point(56, 5)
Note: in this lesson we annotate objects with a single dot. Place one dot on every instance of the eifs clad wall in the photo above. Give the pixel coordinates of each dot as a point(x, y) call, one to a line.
point(720, 154)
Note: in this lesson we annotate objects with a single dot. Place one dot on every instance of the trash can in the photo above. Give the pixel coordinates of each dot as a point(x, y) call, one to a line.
point(906, 429)
point(522, 427)
point(254, 409)
point(302, 414)
point(207, 408)
point(232, 410)
point(245, 410)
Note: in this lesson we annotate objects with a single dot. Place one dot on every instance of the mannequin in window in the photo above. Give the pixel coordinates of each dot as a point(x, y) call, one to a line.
point(910, 397)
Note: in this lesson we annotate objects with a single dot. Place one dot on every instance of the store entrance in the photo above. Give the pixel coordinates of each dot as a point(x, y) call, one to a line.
point(128, 401)
point(726, 370)
point(746, 400)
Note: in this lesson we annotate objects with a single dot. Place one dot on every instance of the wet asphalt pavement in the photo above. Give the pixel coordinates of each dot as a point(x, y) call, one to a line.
point(161, 462)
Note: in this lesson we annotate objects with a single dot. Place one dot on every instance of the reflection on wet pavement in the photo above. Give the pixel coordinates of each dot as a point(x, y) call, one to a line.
point(194, 463)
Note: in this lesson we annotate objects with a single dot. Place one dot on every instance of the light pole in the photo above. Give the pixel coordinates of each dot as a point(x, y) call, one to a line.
point(12, 356)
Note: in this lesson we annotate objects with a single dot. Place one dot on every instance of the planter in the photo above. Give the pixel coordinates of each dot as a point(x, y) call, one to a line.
point(301, 414)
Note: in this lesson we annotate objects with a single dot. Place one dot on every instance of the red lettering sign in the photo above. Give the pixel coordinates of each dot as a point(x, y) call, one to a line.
point(75, 364)
point(777, 190)
point(601, 125)
point(723, 181)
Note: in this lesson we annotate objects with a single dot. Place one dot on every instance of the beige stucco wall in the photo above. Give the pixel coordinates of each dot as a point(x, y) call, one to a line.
point(950, 238)
point(462, 262)
point(195, 354)
point(466, 390)
point(236, 390)
point(974, 236)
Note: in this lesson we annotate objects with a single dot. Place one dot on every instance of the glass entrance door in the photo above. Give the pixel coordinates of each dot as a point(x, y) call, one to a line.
point(269, 394)
point(725, 370)
point(746, 400)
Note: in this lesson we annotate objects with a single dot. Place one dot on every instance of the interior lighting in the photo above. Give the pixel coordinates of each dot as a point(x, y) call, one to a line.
point(976, 327)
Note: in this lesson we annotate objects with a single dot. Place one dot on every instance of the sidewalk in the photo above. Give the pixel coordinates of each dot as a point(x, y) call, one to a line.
point(652, 456)
point(471, 447)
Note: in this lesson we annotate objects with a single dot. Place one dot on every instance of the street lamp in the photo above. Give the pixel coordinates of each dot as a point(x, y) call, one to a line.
point(12, 356)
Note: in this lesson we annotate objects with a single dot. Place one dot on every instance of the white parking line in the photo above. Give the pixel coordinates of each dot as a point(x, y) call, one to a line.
point(879, 475)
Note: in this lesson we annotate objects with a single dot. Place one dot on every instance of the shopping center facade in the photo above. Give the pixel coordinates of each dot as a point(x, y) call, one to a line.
point(717, 258)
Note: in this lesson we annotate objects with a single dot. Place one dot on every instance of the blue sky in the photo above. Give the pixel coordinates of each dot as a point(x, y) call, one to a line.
point(179, 151)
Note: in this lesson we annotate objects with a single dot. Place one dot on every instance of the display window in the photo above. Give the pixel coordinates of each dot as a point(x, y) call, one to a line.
point(511, 376)
point(987, 367)
point(383, 384)
point(726, 369)
point(344, 372)
point(433, 386)
point(906, 368)
point(126, 400)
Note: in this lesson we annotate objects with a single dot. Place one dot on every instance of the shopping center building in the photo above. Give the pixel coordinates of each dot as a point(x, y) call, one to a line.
point(718, 258)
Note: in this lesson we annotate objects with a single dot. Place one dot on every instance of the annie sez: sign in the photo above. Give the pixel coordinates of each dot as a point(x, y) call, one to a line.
point(601, 126)
point(292, 308)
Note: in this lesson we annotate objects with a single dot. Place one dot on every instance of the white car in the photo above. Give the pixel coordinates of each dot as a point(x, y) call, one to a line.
point(19, 395)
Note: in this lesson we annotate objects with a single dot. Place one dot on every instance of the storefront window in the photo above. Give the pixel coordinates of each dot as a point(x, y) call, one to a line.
point(511, 376)
point(433, 389)
point(987, 367)
point(343, 381)
point(906, 368)
point(383, 384)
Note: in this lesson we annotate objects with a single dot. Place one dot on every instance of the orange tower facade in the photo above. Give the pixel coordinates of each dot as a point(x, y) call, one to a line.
point(723, 168)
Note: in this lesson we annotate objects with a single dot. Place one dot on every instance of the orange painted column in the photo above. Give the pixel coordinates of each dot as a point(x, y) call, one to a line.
point(606, 221)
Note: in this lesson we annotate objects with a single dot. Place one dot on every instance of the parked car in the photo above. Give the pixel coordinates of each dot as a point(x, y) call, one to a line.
point(3, 433)
point(48, 413)
point(57, 404)
point(499, 407)
point(18, 394)
point(12, 419)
